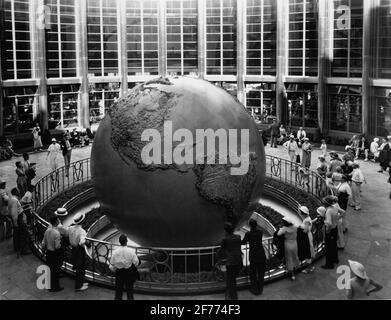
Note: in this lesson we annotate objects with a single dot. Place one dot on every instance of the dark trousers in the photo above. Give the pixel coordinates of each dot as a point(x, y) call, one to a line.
point(78, 260)
point(53, 261)
point(273, 141)
point(257, 275)
point(331, 247)
point(232, 273)
point(16, 239)
point(123, 278)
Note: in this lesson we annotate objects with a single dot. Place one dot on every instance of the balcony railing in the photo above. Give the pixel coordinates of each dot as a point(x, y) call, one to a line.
point(176, 270)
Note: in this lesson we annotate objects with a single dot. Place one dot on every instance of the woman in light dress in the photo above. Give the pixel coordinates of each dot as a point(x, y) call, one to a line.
point(307, 227)
point(53, 152)
point(290, 245)
point(37, 138)
point(307, 150)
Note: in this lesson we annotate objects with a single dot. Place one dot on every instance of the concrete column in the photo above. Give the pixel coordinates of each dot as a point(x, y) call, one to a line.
point(241, 50)
point(82, 65)
point(38, 57)
point(322, 62)
point(162, 39)
point(366, 64)
point(201, 38)
point(282, 38)
point(1, 94)
point(122, 46)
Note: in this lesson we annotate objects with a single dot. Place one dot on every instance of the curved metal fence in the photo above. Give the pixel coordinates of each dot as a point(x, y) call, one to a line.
point(175, 270)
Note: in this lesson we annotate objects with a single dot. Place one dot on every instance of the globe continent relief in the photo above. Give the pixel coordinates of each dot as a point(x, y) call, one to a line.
point(166, 204)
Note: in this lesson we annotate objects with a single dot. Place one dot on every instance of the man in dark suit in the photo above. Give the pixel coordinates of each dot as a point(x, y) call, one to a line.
point(257, 257)
point(231, 245)
point(66, 148)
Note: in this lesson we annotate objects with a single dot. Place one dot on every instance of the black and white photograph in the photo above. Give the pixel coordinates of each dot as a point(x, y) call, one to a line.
point(195, 150)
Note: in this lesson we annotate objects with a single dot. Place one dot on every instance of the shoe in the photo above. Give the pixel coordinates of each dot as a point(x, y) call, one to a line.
point(380, 171)
point(293, 278)
point(341, 248)
point(82, 288)
point(306, 271)
point(85, 284)
point(357, 209)
point(56, 290)
point(327, 267)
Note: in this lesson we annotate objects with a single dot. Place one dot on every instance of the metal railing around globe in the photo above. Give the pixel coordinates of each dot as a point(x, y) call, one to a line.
point(177, 270)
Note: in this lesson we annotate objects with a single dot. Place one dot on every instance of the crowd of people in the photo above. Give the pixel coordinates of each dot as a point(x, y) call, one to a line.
point(57, 237)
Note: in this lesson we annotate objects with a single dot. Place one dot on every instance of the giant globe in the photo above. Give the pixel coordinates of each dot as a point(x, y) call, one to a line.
point(176, 204)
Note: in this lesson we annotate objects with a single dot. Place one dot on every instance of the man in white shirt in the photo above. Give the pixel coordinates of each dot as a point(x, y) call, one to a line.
point(357, 180)
point(51, 244)
point(123, 262)
point(15, 210)
point(374, 148)
point(292, 148)
point(77, 238)
point(301, 135)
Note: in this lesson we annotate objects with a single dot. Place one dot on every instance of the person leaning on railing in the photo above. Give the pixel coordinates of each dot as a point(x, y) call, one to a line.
point(123, 262)
point(231, 245)
point(77, 239)
point(51, 246)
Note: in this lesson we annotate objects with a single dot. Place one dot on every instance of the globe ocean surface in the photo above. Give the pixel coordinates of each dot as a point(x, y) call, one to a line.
point(166, 204)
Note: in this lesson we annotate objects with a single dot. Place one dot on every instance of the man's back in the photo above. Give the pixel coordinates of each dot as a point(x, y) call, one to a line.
point(254, 239)
point(232, 245)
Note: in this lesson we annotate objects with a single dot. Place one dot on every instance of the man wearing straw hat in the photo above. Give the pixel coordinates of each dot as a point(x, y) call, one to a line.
point(51, 244)
point(358, 287)
point(77, 239)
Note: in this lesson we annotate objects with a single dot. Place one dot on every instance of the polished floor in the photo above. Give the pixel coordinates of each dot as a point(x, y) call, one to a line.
point(368, 241)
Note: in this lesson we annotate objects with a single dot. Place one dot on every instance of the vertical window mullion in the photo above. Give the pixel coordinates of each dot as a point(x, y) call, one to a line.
point(182, 44)
point(304, 36)
point(59, 40)
point(262, 28)
point(102, 62)
point(13, 38)
point(142, 37)
point(221, 38)
point(349, 36)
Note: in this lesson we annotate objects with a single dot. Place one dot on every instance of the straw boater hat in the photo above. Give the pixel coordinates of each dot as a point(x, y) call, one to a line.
point(321, 211)
point(54, 140)
point(306, 139)
point(291, 136)
point(2, 181)
point(358, 269)
point(304, 209)
point(79, 218)
point(329, 200)
point(61, 212)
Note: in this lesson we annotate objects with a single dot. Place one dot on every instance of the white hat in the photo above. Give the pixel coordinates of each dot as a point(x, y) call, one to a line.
point(306, 139)
point(321, 211)
point(291, 136)
point(389, 137)
point(61, 212)
point(304, 210)
point(54, 140)
point(376, 139)
point(79, 218)
point(358, 269)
